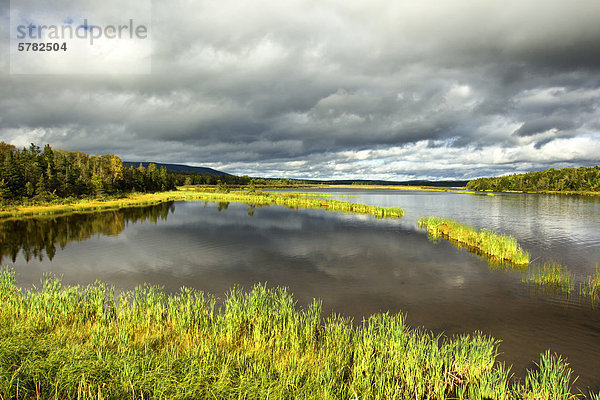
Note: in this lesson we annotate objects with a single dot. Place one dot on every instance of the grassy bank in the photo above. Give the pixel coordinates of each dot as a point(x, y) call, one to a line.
point(499, 248)
point(394, 187)
point(561, 192)
point(290, 200)
point(80, 343)
point(88, 205)
point(299, 200)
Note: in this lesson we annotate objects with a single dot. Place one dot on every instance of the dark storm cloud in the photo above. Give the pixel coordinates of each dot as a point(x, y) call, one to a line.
point(382, 89)
point(544, 124)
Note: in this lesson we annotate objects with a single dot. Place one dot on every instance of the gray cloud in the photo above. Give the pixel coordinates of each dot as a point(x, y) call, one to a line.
point(384, 89)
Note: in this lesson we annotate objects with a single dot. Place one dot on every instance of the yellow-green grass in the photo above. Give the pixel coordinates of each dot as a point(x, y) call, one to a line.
point(550, 276)
point(290, 200)
point(392, 187)
point(82, 343)
point(565, 192)
point(90, 205)
point(555, 277)
point(591, 287)
point(501, 248)
point(299, 200)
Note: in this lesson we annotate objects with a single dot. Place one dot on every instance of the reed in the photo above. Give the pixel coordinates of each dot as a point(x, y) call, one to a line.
point(81, 343)
point(550, 276)
point(496, 247)
point(297, 200)
point(591, 287)
point(289, 200)
point(88, 205)
point(551, 380)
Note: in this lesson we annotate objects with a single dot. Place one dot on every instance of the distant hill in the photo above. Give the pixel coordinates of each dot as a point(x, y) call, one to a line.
point(385, 183)
point(177, 167)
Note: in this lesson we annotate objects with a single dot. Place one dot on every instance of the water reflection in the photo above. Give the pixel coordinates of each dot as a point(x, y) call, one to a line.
point(559, 228)
point(37, 236)
point(356, 264)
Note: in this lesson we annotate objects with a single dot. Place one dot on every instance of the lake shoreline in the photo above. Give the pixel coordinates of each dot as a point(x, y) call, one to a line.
point(198, 192)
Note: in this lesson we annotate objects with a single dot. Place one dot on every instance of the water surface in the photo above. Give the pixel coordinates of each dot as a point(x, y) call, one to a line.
point(356, 264)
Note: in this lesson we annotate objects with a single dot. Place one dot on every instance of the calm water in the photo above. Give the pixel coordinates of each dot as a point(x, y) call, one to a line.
point(356, 264)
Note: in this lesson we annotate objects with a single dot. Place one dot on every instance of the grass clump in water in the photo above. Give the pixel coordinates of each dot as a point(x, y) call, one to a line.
point(73, 342)
point(550, 276)
point(591, 287)
point(496, 247)
point(298, 200)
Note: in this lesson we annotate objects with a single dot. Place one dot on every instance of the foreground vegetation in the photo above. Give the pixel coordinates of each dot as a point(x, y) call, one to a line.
point(496, 247)
point(72, 342)
point(566, 180)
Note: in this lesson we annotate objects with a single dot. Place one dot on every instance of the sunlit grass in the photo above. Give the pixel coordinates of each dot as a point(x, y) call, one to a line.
point(289, 200)
point(82, 343)
point(297, 200)
point(551, 380)
point(395, 187)
point(591, 287)
point(90, 205)
point(550, 276)
point(496, 247)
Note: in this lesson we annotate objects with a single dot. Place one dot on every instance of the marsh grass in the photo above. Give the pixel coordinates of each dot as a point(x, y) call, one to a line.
point(551, 379)
point(591, 287)
point(501, 248)
point(81, 343)
point(89, 205)
point(550, 276)
point(298, 200)
point(556, 278)
point(289, 200)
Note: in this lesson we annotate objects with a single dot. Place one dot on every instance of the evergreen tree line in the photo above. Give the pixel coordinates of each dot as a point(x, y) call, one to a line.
point(44, 174)
point(195, 178)
point(565, 179)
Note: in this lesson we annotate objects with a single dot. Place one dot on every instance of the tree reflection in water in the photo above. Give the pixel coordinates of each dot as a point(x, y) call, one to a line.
point(37, 236)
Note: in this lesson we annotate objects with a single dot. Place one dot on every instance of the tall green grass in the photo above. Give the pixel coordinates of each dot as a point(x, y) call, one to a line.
point(591, 287)
point(555, 277)
point(297, 200)
point(289, 200)
point(550, 276)
point(82, 343)
point(496, 247)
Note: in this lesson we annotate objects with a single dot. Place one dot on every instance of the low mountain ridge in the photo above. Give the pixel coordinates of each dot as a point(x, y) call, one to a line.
point(177, 167)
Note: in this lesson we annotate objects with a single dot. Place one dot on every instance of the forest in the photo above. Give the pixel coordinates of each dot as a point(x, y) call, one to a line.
point(41, 175)
point(45, 174)
point(583, 179)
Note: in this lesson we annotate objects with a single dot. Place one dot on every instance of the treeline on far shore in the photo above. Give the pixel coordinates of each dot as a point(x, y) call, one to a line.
point(46, 174)
point(583, 179)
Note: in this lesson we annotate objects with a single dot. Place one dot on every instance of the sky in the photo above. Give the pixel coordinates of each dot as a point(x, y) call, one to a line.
point(323, 89)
